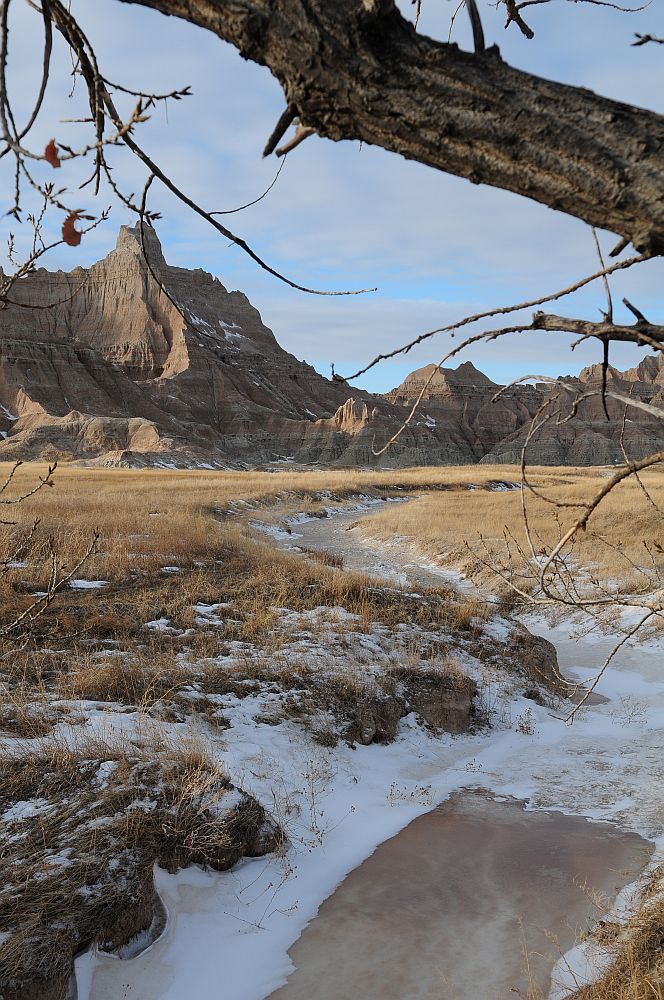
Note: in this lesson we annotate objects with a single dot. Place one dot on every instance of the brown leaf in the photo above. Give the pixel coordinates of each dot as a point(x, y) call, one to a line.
point(70, 233)
point(51, 154)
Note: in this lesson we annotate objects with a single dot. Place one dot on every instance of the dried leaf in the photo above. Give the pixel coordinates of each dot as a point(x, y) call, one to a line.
point(51, 154)
point(70, 233)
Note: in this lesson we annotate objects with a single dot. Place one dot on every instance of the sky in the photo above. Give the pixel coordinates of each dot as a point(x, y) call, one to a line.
point(343, 216)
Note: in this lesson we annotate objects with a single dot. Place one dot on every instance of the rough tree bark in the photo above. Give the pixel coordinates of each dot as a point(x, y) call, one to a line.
point(356, 69)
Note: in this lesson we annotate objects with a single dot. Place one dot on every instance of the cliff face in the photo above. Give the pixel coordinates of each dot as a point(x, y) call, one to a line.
point(125, 363)
point(458, 405)
point(111, 364)
point(461, 405)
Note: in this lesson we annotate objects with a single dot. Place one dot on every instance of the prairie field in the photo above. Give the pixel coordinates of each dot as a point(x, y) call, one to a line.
point(147, 516)
point(160, 536)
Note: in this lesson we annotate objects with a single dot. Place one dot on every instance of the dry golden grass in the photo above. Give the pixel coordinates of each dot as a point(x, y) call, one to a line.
point(637, 971)
point(220, 561)
point(24, 711)
point(449, 525)
point(151, 520)
point(325, 557)
point(147, 516)
point(137, 680)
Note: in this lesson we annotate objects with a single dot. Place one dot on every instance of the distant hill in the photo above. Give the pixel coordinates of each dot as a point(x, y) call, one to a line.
point(109, 366)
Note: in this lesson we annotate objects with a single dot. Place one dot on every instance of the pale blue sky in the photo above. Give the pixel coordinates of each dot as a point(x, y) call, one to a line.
point(340, 216)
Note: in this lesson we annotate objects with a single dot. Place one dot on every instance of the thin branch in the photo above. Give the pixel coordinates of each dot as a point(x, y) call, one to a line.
point(602, 670)
point(626, 459)
point(286, 118)
point(514, 12)
point(55, 584)
point(302, 132)
point(42, 481)
point(497, 311)
point(635, 312)
point(645, 39)
point(241, 208)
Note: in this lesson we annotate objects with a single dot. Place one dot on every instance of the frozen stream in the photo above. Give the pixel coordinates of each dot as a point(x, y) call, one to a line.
point(449, 906)
point(419, 900)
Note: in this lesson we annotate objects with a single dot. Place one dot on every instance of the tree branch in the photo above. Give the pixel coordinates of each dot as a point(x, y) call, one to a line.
point(645, 39)
point(640, 333)
point(377, 80)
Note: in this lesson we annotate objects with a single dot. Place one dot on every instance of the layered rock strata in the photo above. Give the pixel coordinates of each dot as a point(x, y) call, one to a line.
point(137, 362)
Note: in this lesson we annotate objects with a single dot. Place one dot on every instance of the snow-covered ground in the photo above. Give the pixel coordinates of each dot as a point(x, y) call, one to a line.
point(229, 933)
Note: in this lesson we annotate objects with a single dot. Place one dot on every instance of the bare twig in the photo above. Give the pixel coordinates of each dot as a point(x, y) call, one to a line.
point(476, 25)
point(646, 39)
point(302, 132)
point(284, 122)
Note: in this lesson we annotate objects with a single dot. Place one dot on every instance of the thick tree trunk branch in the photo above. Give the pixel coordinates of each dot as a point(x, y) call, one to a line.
point(356, 69)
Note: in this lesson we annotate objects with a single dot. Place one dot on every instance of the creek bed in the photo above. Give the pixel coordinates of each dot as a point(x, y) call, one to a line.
point(475, 900)
point(479, 898)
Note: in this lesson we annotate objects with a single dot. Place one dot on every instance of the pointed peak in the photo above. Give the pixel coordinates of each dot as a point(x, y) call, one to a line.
point(467, 372)
point(129, 239)
point(465, 375)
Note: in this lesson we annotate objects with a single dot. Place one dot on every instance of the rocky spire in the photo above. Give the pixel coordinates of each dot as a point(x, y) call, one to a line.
point(129, 240)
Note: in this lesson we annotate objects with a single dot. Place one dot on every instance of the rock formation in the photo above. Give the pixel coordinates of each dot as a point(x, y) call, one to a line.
point(590, 438)
point(135, 362)
point(138, 364)
point(458, 407)
point(461, 407)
